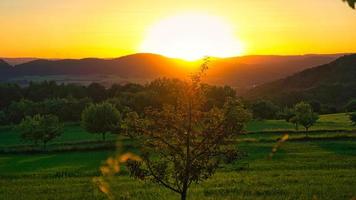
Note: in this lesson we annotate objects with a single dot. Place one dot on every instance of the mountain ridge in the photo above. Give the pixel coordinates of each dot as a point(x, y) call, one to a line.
point(241, 72)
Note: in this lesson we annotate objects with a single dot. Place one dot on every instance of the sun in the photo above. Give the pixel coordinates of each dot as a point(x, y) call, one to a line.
point(191, 36)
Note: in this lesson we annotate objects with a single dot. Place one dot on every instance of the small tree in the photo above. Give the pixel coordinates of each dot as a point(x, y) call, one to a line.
point(353, 118)
point(182, 144)
point(305, 116)
point(101, 119)
point(40, 128)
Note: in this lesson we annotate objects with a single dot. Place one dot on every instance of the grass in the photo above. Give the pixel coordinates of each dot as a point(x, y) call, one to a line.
point(322, 166)
point(72, 133)
point(339, 121)
point(299, 170)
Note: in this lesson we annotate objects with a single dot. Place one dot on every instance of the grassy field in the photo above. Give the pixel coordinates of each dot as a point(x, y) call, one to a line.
point(322, 166)
point(339, 121)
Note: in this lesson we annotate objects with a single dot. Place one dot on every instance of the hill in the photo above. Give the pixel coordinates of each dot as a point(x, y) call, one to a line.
point(241, 72)
point(331, 84)
point(5, 69)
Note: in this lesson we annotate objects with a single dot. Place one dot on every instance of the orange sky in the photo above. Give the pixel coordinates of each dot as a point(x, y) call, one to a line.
point(112, 28)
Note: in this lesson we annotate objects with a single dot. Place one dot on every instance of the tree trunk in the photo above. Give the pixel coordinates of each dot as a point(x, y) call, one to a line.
point(44, 145)
point(306, 131)
point(104, 136)
point(183, 195)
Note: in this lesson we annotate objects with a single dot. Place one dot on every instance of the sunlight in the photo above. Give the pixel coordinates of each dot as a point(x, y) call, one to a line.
point(192, 36)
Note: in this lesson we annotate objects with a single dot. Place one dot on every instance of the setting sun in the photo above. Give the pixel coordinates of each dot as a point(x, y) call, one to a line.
point(192, 36)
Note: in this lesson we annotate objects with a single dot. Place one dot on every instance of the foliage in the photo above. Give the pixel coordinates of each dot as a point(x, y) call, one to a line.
point(264, 109)
point(40, 128)
point(351, 106)
point(181, 144)
point(19, 110)
point(2, 118)
point(286, 113)
point(353, 118)
point(304, 115)
point(9, 93)
point(101, 119)
point(351, 3)
point(96, 92)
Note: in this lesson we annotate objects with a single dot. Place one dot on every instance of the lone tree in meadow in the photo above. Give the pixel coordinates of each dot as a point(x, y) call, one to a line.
point(185, 143)
point(305, 116)
point(40, 128)
point(101, 119)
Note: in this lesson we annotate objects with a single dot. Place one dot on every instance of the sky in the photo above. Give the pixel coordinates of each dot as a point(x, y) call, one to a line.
point(113, 28)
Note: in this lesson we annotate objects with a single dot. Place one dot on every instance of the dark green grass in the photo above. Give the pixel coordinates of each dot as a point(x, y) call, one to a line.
point(299, 170)
point(72, 133)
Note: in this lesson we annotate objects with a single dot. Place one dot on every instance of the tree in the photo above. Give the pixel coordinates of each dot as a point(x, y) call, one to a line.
point(351, 106)
point(96, 92)
point(264, 109)
point(17, 111)
point(181, 144)
point(294, 120)
point(351, 3)
point(101, 119)
point(353, 118)
point(40, 128)
point(2, 118)
point(305, 116)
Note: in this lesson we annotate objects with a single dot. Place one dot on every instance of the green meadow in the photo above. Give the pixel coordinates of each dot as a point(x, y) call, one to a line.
point(321, 166)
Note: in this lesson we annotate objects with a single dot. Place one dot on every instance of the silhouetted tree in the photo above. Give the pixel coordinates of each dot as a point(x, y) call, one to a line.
point(183, 144)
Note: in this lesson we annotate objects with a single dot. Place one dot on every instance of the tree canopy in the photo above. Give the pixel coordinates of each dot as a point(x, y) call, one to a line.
point(40, 128)
point(101, 119)
point(184, 143)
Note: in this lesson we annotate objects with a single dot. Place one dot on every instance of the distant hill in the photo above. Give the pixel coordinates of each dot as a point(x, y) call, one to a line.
point(137, 65)
point(5, 69)
point(242, 72)
point(246, 72)
point(332, 84)
point(17, 61)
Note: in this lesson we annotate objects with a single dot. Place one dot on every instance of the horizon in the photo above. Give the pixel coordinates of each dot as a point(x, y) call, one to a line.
point(157, 54)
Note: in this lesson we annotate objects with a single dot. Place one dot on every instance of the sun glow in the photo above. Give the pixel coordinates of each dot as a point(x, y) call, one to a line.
point(191, 37)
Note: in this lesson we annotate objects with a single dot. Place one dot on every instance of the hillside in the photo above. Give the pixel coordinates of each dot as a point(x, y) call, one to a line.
point(241, 72)
point(5, 69)
point(333, 84)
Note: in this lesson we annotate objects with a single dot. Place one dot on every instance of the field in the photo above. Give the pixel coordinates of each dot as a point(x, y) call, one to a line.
point(321, 166)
